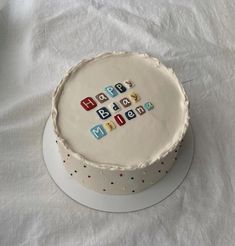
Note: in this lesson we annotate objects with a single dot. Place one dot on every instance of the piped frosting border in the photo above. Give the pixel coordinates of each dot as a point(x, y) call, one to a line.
point(83, 159)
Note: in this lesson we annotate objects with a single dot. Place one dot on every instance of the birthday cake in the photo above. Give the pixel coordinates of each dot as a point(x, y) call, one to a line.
point(119, 120)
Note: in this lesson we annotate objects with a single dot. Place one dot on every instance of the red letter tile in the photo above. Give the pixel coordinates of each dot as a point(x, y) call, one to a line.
point(88, 103)
point(119, 119)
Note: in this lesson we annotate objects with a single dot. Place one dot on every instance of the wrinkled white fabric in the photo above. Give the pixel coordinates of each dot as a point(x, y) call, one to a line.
point(40, 41)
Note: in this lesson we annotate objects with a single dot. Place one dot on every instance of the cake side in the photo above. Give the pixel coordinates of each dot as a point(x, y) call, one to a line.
point(117, 182)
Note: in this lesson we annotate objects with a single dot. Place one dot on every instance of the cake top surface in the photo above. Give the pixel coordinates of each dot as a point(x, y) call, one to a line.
point(120, 110)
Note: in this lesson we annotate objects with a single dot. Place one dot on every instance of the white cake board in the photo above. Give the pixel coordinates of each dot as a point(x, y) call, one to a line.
point(114, 203)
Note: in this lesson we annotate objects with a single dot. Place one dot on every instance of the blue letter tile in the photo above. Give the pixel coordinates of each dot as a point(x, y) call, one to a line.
point(98, 131)
point(111, 91)
point(148, 106)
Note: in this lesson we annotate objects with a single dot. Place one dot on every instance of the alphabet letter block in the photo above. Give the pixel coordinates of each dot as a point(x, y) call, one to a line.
point(103, 113)
point(134, 97)
point(128, 83)
point(148, 106)
point(125, 102)
point(109, 126)
point(130, 114)
point(101, 97)
point(140, 110)
point(121, 88)
point(111, 91)
point(114, 107)
point(98, 131)
point(88, 103)
point(119, 119)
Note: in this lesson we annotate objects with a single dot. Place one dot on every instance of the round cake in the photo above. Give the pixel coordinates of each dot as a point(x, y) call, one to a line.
point(119, 120)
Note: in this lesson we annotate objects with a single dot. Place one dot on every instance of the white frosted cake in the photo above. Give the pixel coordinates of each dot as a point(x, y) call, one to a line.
point(119, 120)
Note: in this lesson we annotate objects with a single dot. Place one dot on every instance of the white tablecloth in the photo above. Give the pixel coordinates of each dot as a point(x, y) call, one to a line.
point(39, 41)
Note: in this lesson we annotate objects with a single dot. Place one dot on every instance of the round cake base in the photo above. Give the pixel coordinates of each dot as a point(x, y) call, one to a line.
point(116, 203)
